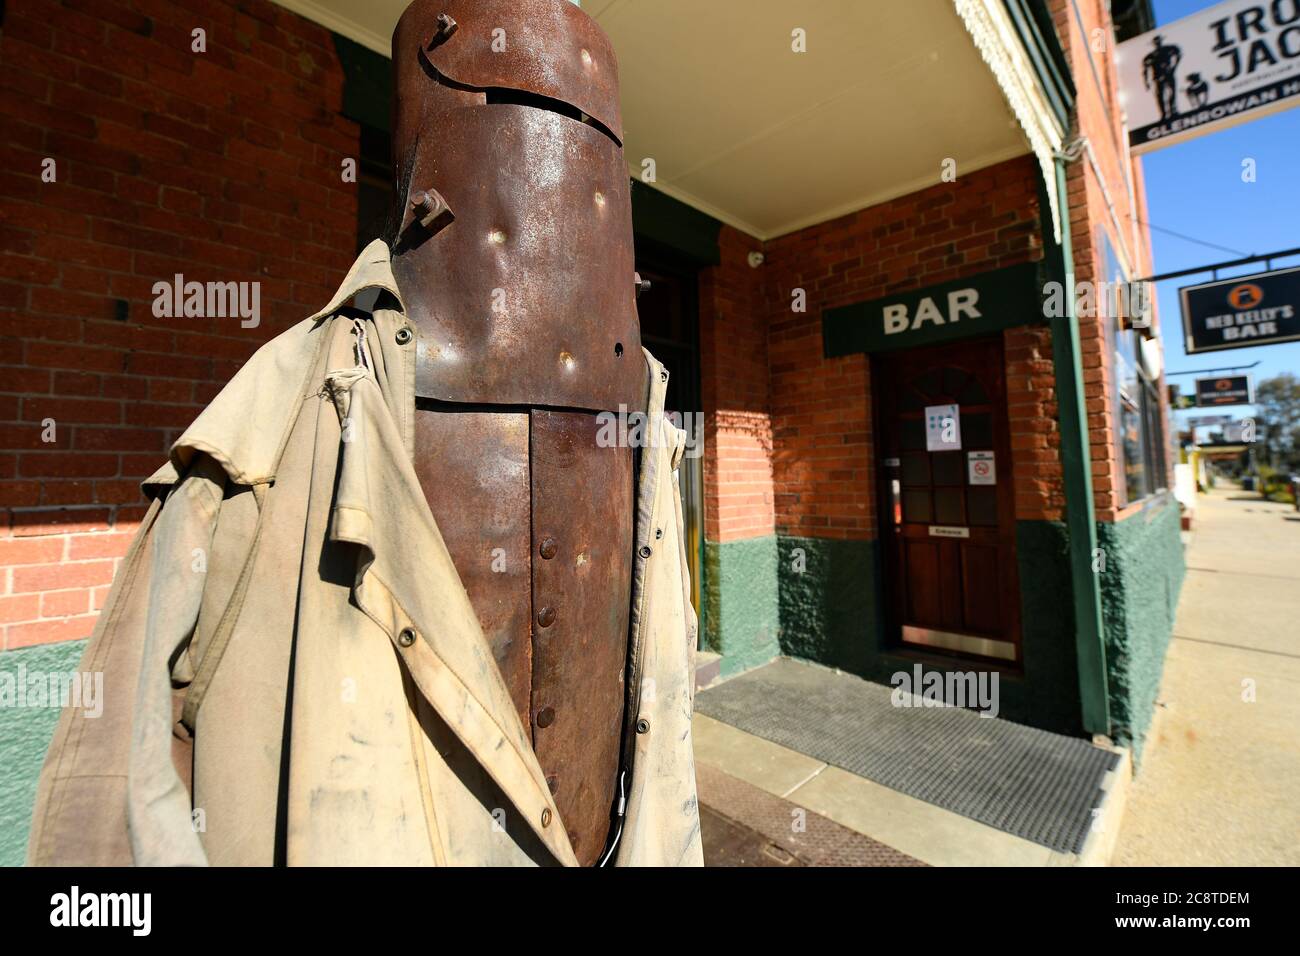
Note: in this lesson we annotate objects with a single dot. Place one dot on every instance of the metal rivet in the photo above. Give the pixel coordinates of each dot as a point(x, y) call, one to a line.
point(645, 551)
point(546, 816)
point(600, 198)
point(545, 717)
point(643, 726)
point(546, 616)
point(497, 236)
point(406, 637)
point(547, 550)
point(403, 335)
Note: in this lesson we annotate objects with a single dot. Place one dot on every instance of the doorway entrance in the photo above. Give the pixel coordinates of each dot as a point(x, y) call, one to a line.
point(947, 504)
point(669, 314)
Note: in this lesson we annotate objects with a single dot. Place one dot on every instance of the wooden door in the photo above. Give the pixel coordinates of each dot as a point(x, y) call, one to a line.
point(947, 502)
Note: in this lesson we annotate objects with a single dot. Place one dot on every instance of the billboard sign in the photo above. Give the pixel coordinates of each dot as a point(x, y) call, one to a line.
point(1235, 313)
point(1235, 61)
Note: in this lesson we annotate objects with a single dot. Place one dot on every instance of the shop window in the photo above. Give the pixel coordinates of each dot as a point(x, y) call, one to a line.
point(1137, 407)
point(374, 188)
point(1142, 433)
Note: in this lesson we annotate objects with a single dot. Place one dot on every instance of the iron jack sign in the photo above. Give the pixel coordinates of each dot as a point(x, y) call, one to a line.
point(1236, 61)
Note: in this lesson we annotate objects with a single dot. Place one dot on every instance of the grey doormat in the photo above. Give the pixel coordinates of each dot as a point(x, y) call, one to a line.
point(1024, 781)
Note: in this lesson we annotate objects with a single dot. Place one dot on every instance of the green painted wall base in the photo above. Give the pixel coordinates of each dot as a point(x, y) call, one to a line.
point(1140, 583)
point(832, 613)
point(25, 734)
point(741, 614)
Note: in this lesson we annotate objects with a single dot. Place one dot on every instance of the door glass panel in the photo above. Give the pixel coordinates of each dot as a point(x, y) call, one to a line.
point(947, 467)
point(982, 502)
point(916, 469)
point(912, 435)
point(948, 506)
point(977, 431)
point(929, 383)
point(916, 507)
point(973, 393)
point(954, 379)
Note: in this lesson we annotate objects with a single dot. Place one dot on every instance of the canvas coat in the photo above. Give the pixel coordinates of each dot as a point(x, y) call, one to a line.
point(289, 599)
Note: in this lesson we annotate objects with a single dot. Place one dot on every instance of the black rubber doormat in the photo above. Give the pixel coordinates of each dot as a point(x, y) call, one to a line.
point(1024, 781)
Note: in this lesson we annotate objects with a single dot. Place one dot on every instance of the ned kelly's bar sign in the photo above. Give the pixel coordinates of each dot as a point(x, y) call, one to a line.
point(1236, 313)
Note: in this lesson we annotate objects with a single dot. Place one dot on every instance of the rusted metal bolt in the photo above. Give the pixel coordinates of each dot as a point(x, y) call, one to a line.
point(548, 548)
point(431, 210)
point(406, 637)
point(546, 616)
point(642, 285)
point(446, 27)
point(545, 717)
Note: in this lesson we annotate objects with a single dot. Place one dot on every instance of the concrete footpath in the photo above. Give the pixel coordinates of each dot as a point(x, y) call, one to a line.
point(1219, 782)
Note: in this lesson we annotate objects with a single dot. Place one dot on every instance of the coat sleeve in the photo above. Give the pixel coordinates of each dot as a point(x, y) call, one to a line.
point(157, 801)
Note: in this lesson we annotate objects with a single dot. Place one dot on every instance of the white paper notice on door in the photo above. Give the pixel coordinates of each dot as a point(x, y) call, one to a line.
point(942, 428)
point(981, 468)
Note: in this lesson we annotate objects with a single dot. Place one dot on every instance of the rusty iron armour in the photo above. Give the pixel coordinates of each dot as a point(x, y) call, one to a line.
point(515, 260)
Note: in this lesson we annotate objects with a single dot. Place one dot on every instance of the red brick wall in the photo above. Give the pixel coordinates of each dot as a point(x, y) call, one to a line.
point(223, 166)
point(821, 414)
point(1108, 173)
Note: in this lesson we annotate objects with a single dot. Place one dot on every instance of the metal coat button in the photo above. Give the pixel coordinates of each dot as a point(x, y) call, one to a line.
point(645, 551)
point(403, 335)
point(643, 726)
point(406, 637)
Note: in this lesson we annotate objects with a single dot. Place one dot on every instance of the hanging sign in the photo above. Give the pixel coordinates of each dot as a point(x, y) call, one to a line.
point(942, 428)
point(1224, 390)
point(1249, 310)
point(1232, 62)
point(981, 468)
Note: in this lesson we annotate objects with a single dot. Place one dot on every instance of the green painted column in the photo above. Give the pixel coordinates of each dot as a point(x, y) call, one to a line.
point(1080, 513)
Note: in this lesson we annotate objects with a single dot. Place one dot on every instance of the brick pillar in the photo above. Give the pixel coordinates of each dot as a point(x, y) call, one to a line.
point(740, 597)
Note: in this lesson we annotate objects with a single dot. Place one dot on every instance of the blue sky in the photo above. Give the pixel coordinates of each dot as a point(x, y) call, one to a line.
point(1195, 188)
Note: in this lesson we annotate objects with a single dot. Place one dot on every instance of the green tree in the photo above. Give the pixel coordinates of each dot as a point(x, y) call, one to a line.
point(1277, 401)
